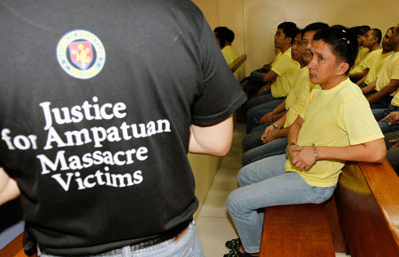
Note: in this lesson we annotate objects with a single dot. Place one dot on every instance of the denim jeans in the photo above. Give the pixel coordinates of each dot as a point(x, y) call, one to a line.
point(255, 82)
point(187, 246)
point(384, 125)
point(275, 147)
point(255, 113)
point(252, 140)
point(265, 183)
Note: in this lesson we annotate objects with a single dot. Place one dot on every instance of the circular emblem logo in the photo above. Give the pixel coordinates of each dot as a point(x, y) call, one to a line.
point(81, 54)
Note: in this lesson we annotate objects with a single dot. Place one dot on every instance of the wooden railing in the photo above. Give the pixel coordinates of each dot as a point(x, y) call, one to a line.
point(238, 62)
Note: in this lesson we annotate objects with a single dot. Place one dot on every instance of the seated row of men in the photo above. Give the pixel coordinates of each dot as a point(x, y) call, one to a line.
point(325, 121)
point(279, 91)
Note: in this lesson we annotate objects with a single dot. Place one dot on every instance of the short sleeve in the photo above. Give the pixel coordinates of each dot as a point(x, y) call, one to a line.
point(220, 93)
point(395, 72)
point(281, 65)
point(358, 121)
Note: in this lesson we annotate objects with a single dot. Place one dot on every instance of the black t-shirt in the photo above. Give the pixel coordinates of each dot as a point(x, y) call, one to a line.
point(96, 101)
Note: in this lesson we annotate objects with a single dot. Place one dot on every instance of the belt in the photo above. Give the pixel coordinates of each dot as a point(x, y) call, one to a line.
point(175, 234)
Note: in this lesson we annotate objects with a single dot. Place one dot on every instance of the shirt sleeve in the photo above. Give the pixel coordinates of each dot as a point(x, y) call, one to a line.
point(395, 72)
point(220, 93)
point(281, 65)
point(358, 121)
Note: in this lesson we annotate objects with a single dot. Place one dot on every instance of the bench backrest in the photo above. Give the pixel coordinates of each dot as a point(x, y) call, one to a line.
point(367, 200)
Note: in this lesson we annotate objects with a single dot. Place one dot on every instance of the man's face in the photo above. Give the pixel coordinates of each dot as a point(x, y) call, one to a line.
point(279, 39)
point(360, 39)
point(369, 39)
point(386, 41)
point(306, 46)
point(324, 65)
point(394, 39)
point(296, 49)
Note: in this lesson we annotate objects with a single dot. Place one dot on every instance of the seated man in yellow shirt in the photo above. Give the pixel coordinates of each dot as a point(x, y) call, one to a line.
point(225, 38)
point(280, 67)
point(379, 93)
point(374, 65)
point(322, 138)
point(261, 142)
point(359, 32)
point(372, 40)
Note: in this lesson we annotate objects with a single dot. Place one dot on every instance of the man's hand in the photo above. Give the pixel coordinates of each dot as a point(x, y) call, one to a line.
point(263, 89)
point(303, 157)
point(393, 118)
point(266, 118)
point(266, 67)
point(268, 135)
point(396, 141)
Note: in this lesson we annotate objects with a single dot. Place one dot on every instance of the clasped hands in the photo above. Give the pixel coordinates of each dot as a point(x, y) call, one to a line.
point(302, 157)
point(269, 134)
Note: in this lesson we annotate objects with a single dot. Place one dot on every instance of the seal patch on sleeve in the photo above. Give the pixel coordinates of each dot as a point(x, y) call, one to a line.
point(81, 54)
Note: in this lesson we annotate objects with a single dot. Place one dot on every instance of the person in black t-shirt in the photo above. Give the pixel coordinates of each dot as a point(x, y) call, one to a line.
point(99, 105)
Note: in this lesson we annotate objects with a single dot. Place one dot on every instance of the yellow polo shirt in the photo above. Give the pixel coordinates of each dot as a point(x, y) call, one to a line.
point(361, 54)
point(285, 68)
point(366, 62)
point(376, 66)
point(388, 72)
point(298, 96)
point(395, 99)
point(229, 54)
point(340, 116)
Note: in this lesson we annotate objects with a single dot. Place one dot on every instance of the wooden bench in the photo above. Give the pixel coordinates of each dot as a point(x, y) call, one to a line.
point(14, 248)
point(362, 218)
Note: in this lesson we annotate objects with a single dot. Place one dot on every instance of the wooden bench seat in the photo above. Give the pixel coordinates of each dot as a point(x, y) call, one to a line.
point(296, 231)
point(364, 212)
point(14, 248)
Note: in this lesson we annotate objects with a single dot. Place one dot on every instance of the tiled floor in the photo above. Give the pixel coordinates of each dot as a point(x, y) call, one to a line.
point(213, 223)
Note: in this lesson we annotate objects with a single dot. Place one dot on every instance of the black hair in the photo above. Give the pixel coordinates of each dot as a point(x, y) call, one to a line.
point(356, 31)
point(378, 34)
point(290, 30)
point(343, 44)
point(364, 29)
point(230, 36)
point(315, 26)
point(222, 34)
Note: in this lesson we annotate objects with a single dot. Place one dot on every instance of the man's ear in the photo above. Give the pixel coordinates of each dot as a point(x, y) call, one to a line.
point(289, 40)
point(342, 68)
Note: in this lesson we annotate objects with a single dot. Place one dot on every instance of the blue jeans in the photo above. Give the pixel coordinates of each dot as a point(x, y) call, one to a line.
point(187, 246)
point(255, 82)
point(272, 148)
point(384, 125)
point(265, 183)
point(255, 113)
point(253, 140)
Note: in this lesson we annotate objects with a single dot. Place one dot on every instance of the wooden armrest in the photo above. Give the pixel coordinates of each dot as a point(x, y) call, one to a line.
point(368, 205)
point(384, 185)
point(238, 62)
